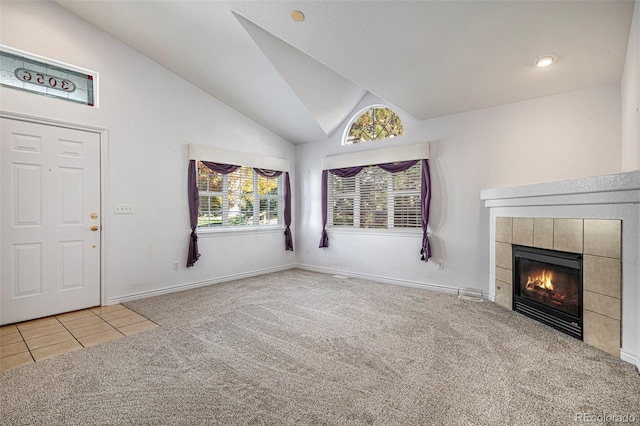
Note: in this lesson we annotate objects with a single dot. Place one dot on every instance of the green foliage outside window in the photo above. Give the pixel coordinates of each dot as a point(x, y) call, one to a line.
point(232, 197)
point(374, 123)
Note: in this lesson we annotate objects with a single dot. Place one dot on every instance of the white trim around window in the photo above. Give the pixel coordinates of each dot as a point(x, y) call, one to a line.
point(225, 156)
point(391, 154)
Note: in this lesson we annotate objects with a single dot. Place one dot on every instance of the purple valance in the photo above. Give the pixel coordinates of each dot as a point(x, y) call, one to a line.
point(230, 168)
point(347, 172)
point(267, 173)
point(194, 200)
point(425, 196)
point(223, 169)
point(398, 167)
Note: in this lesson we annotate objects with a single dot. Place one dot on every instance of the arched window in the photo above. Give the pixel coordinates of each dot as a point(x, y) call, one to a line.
point(375, 122)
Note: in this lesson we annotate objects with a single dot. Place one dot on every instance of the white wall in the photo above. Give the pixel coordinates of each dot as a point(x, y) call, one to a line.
point(631, 97)
point(558, 137)
point(151, 115)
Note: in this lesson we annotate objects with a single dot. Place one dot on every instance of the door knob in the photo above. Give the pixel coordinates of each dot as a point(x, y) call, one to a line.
point(94, 228)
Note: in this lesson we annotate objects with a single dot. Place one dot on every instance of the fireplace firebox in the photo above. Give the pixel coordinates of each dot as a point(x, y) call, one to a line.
point(547, 286)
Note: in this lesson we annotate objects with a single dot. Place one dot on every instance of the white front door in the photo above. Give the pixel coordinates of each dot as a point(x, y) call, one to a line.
point(49, 220)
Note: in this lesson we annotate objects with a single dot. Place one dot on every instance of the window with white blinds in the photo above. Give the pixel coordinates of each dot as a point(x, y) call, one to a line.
point(240, 198)
point(375, 198)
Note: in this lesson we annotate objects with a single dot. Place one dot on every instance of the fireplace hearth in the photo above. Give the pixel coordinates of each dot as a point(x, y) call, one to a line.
point(548, 288)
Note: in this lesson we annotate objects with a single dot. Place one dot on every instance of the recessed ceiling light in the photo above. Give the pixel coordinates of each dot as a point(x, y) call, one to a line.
point(546, 60)
point(297, 16)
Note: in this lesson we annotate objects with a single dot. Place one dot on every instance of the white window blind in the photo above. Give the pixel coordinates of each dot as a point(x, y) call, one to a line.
point(240, 198)
point(375, 198)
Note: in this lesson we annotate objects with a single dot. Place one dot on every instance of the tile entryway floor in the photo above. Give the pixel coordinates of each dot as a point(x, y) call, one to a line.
point(43, 338)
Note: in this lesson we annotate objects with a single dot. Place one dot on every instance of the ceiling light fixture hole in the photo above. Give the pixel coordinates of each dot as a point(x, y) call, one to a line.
point(546, 60)
point(297, 16)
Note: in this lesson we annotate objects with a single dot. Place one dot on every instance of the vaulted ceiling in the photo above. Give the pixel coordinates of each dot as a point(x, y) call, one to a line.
point(428, 58)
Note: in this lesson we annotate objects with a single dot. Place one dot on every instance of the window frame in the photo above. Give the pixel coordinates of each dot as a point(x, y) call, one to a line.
point(361, 112)
point(356, 197)
point(225, 227)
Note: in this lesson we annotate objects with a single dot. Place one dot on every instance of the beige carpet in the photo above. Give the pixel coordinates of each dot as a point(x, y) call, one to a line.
point(303, 348)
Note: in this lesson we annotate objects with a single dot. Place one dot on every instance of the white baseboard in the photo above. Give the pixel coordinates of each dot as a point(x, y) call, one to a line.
point(196, 284)
point(378, 278)
point(630, 357)
point(203, 283)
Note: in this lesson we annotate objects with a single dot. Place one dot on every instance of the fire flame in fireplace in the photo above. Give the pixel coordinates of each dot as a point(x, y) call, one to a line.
point(543, 280)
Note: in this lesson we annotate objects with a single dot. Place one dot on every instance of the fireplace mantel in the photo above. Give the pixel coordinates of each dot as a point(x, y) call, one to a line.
point(615, 196)
point(619, 188)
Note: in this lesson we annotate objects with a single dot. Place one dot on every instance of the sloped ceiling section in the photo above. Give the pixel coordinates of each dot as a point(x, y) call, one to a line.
point(426, 58)
point(328, 96)
point(435, 58)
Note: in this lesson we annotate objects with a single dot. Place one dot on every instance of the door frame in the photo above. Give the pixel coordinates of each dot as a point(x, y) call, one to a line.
point(104, 151)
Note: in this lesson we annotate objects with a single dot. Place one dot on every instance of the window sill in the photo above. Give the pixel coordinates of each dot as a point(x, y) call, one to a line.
point(240, 230)
point(414, 232)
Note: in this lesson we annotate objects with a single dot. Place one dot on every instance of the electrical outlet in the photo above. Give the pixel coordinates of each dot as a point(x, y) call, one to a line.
point(441, 265)
point(175, 265)
point(123, 208)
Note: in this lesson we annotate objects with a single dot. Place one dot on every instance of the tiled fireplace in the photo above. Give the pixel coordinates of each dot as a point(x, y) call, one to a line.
point(597, 242)
point(597, 218)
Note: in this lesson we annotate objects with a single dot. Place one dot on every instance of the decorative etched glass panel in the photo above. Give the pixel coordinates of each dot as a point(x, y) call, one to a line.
point(29, 75)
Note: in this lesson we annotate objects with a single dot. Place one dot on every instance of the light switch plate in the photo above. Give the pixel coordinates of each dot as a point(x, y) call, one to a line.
point(123, 208)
